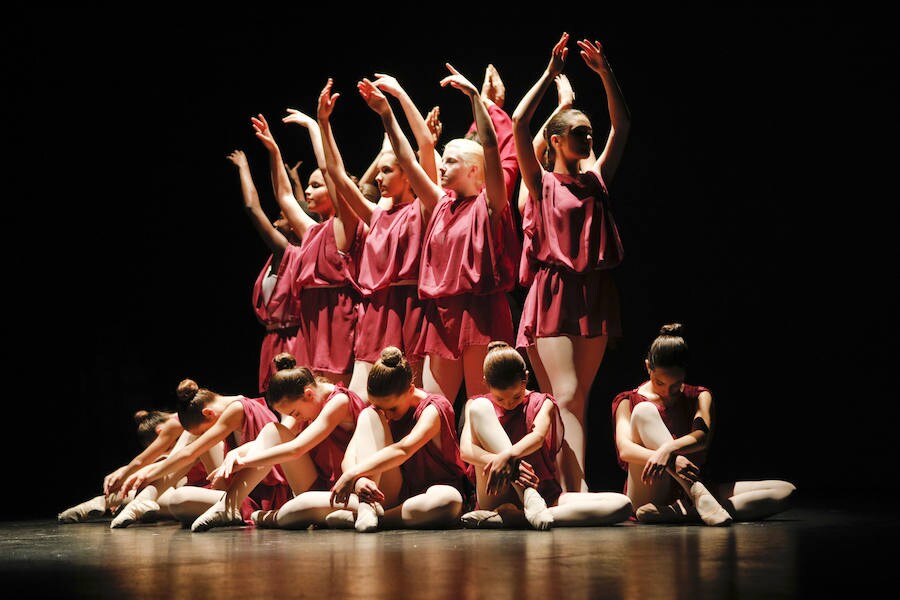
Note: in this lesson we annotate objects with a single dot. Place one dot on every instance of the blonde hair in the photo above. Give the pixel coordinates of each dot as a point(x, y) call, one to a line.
point(471, 152)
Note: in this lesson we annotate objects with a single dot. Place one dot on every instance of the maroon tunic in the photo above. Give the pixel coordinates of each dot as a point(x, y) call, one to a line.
point(678, 417)
point(329, 453)
point(467, 268)
point(570, 243)
point(431, 465)
point(280, 315)
point(273, 491)
point(388, 278)
point(329, 297)
point(520, 421)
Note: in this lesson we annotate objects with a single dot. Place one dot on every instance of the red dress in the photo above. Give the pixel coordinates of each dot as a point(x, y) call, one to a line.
point(678, 417)
point(431, 465)
point(388, 278)
point(273, 491)
point(329, 453)
point(570, 243)
point(467, 267)
point(520, 421)
point(329, 297)
point(280, 315)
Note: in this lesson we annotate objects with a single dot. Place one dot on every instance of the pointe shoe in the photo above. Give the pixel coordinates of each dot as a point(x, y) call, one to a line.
point(216, 518)
point(482, 519)
point(264, 519)
point(90, 509)
point(141, 510)
point(711, 512)
point(668, 513)
point(341, 519)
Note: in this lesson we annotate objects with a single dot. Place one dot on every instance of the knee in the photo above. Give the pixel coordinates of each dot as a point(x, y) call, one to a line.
point(783, 490)
point(445, 502)
point(644, 412)
point(480, 408)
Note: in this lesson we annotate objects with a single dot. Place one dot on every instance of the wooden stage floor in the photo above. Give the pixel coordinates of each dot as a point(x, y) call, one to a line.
point(813, 550)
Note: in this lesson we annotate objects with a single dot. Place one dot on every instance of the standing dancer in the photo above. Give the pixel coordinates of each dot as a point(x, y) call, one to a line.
point(470, 250)
point(329, 257)
point(389, 267)
point(572, 306)
point(274, 296)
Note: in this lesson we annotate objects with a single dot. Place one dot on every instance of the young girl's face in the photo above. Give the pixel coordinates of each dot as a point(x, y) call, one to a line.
point(302, 408)
point(508, 398)
point(666, 383)
point(394, 406)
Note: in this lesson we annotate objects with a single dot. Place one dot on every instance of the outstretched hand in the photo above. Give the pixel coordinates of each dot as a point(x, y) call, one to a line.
point(238, 158)
point(262, 131)
point(455, 79)
point(593, 56)
point(295, 116)
point(433, 121)
point(327, 101)
point(373, 96)
point(558, 56)
point(388, 83)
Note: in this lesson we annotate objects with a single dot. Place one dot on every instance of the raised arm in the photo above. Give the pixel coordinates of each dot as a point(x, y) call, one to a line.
point(426, 428)
point(422, 134)
point(274, 239)
point(494, 180)
point(344, 186)
point(296, 216)
point(529, 165)
point(619, 116)
point(427, 191)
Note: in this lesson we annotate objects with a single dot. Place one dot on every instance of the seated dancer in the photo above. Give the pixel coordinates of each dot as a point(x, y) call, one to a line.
point(662, 433)
point(213, 418)
point(510, 427)
point(403, 468)
point(318, 419)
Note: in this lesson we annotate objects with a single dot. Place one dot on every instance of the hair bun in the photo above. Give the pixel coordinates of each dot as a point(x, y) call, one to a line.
point(284, 360)
point(391, 356)
point(187, 389)
point(140, 415)
point(497, 344)
point(675, 329)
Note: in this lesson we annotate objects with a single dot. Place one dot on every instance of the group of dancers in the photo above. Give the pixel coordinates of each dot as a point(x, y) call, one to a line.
point(404, 295)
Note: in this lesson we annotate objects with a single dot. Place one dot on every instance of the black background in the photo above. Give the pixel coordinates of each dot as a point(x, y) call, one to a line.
point(755, 202)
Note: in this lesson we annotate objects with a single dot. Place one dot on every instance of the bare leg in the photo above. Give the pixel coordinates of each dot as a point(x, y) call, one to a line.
point(359, 378)
point(489, 434)
point(576, 509)
point(442, 376)
point(473, 370)
point(649, 431)
point(438, 507)
point(372, 434)
point(301, 474)
point(571, 364)
point(538, 370)
point(755, 500)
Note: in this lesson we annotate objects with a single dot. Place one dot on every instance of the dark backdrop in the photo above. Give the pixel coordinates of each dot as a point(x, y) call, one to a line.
point(753, 201)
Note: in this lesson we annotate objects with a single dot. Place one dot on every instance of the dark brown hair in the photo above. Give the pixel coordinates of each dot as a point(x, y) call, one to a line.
point(669, 350)
point(390, 375)
point(504, 367)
